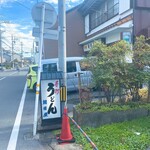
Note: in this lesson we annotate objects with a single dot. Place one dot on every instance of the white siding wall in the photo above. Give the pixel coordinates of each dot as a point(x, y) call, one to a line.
point(86, 24)
point(113, 38)
point(124, 5)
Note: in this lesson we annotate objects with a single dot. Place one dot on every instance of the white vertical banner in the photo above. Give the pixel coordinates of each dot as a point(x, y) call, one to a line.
point(50, 95)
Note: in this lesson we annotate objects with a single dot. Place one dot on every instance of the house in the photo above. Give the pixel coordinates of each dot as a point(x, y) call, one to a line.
point(105, 20)
point(5, 56)
point(74, 34)
point(113, 20)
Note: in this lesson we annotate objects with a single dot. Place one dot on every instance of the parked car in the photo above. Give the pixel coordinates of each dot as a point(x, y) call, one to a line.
point(74, 67)
point(32, 77)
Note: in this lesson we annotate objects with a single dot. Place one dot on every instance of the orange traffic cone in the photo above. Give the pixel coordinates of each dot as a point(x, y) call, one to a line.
point(66, 135)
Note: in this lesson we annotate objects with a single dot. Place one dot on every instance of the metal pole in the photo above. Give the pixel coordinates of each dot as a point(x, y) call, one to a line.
point(21, 54)
point(62, 41)
point(60, 35)
point(2, 58)
point(1, 46)
point(12, 57)
point(1, 49)
point(39, 71)
point(89, 140)
point(33, 56)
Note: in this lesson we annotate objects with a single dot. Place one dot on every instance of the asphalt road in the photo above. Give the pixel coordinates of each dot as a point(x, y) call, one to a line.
point(17, 104)
point(17, 114)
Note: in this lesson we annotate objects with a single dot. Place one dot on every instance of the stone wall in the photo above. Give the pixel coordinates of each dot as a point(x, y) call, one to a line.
point(95, 119)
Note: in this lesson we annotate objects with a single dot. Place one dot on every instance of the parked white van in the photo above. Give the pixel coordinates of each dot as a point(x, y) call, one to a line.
point(74, 66)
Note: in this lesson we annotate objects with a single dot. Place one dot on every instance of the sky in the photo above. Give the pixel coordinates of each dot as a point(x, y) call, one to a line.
point(17, 24)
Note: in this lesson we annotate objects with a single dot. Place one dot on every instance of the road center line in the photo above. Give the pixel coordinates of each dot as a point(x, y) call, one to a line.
point(15, 131)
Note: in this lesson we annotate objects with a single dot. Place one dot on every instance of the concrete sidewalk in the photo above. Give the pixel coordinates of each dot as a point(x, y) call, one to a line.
point(48, 138)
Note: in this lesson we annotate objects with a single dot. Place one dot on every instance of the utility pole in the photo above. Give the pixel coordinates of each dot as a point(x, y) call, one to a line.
point(62, 41)
point(12, 57)
point(21, 54)
point(1, 49)
point(1, 46)
point(39, 70)
point(33, 52)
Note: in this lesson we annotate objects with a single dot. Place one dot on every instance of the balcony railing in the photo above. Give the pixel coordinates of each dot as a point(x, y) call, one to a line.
point(110, 13)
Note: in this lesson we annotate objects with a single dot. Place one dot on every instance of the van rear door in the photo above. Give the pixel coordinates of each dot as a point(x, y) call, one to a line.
point(72, 77)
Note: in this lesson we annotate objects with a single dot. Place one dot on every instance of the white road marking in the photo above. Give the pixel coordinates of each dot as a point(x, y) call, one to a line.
point(12, 73)
point(2, 78)
point(15, 131)
point(8, 75)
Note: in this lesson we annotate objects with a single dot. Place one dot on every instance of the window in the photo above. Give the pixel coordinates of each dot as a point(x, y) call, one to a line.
point(71, 66)
point(113, 8)
point(50, 67)
point(110, 8)
point(98, 16)
point(106, 11)
point(131, 3)
point(35, 69)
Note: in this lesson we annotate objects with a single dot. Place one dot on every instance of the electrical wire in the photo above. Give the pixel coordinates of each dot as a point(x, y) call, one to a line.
point(23, 5)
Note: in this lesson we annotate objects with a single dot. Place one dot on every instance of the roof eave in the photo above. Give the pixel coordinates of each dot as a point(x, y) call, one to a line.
point(89, 5)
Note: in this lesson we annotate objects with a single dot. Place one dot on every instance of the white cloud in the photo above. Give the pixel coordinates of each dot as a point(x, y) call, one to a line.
point(56, 1)
point(13, 30)
point(52, 1)
point(73, 0)
point(3, 1)
point(32, 1)
point(6, 1)
point(18, 31)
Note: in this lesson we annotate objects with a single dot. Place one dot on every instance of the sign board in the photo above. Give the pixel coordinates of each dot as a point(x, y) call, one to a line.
point(50, 96)
point(50, 17)
point(48, 34)
point(126, 36)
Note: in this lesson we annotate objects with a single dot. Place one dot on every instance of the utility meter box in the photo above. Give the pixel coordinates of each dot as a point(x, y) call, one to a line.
point(51, 106)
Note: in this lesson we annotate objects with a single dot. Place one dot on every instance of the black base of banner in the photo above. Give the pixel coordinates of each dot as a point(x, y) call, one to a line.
point(49, 124)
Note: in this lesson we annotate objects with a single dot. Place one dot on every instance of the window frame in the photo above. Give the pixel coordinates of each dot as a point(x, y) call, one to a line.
point(49, 69)
point(73, 69)
point(103, 14)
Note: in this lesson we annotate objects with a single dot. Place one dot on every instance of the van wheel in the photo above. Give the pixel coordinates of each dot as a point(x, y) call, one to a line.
point(34, 87)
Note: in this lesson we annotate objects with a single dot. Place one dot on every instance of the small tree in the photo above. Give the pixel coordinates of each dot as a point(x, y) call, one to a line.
point(114, 74)
point(141, 60)
point(108, 65)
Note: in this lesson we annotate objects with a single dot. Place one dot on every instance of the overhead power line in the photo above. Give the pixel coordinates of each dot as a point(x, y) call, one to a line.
point(6, 44)
point(23, 5)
